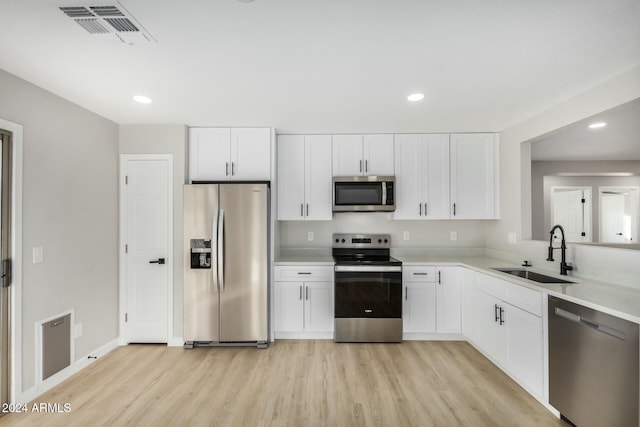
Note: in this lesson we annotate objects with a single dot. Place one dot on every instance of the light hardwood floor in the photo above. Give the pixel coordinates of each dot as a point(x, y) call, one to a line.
point(292, 383)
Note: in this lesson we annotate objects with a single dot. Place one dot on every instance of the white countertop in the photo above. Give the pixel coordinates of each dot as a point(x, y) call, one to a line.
point(620, 301)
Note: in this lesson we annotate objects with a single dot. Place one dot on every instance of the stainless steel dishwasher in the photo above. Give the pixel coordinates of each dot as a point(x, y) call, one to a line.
point(593, 366)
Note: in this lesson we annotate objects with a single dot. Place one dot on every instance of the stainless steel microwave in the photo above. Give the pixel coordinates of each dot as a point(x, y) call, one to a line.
point(364, 194)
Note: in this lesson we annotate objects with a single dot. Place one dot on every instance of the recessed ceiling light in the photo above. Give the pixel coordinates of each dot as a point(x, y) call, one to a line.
point(415, 97)
point(597, 125)
point(142, 99)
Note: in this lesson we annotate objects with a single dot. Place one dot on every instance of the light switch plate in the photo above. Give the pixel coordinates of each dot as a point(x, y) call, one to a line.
point(512, 238)
point(405, 235)
point(310, 236)
point(78, 330)
point(38, 255)
point(453, 236)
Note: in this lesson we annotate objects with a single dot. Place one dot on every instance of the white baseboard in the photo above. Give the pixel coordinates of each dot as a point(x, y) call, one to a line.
point(427, 336)
point(59, 377)
point(175, 342)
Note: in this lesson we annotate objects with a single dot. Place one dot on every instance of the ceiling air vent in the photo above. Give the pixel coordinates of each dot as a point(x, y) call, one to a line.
point(109, 23)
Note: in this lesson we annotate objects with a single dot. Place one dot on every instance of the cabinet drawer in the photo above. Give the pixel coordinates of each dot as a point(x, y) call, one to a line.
point(303, 273)
point(419, 274)
point(525, 298)
point(492, 285)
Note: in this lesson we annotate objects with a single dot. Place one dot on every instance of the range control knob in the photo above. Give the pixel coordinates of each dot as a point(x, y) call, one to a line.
point(379, 240)
point(343, 240)
point(337, 240)
point(386, 241)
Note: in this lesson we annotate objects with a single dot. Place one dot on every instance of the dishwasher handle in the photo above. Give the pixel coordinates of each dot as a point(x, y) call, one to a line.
point(590, 323)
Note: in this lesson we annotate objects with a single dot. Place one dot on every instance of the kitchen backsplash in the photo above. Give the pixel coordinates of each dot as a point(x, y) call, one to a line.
point(295, 234)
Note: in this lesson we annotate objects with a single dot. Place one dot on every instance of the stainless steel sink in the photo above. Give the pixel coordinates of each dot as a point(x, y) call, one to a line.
point(530, 275)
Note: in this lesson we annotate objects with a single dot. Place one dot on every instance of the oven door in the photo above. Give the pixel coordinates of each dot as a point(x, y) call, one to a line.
point(368, 292)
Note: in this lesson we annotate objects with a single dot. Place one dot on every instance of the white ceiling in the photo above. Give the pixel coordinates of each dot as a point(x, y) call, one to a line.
point(618, 140)
point(328, 65)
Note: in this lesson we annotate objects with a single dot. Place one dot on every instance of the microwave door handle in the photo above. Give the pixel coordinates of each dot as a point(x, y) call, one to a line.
point(384, 193)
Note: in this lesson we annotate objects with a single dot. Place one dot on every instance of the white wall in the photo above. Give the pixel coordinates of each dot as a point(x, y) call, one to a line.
point(611, 265)
point(70, 208)
point(165, 139)
point(471, 234)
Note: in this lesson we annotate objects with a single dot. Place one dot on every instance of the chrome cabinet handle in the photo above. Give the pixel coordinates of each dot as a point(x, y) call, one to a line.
point(301, 209)
point(306, 293)
point(301, 293)
point(425, 209)
point(307, 209)
point(501, 313)
point(307, 273)
point(233, 168)
point(419, 274)
point(366, 166)
point(406, 293)
point(360, 165)
point(420, 204)
point(495, 312)
point(439, 278)
point(454, 209)
point(226, 168)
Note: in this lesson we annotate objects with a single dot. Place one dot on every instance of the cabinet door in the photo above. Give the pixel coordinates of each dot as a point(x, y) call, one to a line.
point(318, 306)
point(474, 176)
point(347, 155)
point(491, 337)
point(289, 307)
point(419, 307)
point(408, 166)
point(209, 154)
point(434, 160)
point(251, 154)
point(449, 299)
point(291, 177)
point(317, 181)
point(378, 155)
point(524, 350)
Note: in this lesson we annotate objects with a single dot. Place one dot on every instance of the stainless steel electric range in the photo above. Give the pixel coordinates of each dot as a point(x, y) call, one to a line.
point(368, 289)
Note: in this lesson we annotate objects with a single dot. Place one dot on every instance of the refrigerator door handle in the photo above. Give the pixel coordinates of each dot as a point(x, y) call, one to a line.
point(220, 243)
point(214, 240)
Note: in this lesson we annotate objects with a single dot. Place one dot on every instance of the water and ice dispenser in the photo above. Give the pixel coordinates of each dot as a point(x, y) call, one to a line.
point(200, 253)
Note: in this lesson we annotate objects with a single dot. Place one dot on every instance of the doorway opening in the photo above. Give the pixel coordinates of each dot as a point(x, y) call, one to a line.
point(6, 174)
point(571, 208)
point(619, 212)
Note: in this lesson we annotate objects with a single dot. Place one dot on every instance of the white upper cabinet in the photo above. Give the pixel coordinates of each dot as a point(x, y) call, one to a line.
point(474, 176)
point(422, 176)
point(304, 177)
point(224, 154)
point(368, 155)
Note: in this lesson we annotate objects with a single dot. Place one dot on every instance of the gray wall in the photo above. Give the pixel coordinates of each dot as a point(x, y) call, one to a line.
point(607, 264)
point(70, 208)
point(543, 177)
point(165, 139)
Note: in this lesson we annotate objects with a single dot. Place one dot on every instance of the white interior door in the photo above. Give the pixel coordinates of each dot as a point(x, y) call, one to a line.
point(572, 213)
point(147, 197)
point(612, 220)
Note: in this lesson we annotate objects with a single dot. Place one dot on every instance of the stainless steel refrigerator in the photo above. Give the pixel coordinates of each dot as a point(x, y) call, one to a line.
point(226, 265)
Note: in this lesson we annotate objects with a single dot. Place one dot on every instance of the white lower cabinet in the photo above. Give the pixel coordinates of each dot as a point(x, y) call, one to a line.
point(303, 302)
point(511, 335)
point(432, 300)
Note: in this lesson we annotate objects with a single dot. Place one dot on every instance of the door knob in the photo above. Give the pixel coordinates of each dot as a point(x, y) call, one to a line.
point(158, 261)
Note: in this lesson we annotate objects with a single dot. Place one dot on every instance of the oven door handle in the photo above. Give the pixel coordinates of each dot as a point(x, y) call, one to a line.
point(367, 269)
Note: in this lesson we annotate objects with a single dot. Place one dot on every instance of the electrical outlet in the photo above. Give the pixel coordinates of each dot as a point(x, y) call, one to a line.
point(511, 237)
point(78, 330)
point(310, 236)
point(405, 235)
point(38, 255)
point(453, 236)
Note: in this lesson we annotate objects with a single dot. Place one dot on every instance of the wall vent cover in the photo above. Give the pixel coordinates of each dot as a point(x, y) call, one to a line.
point(111, 23)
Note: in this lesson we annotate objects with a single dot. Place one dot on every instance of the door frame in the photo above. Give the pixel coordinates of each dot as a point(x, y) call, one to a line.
point(15, 291)
point(122, 299)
